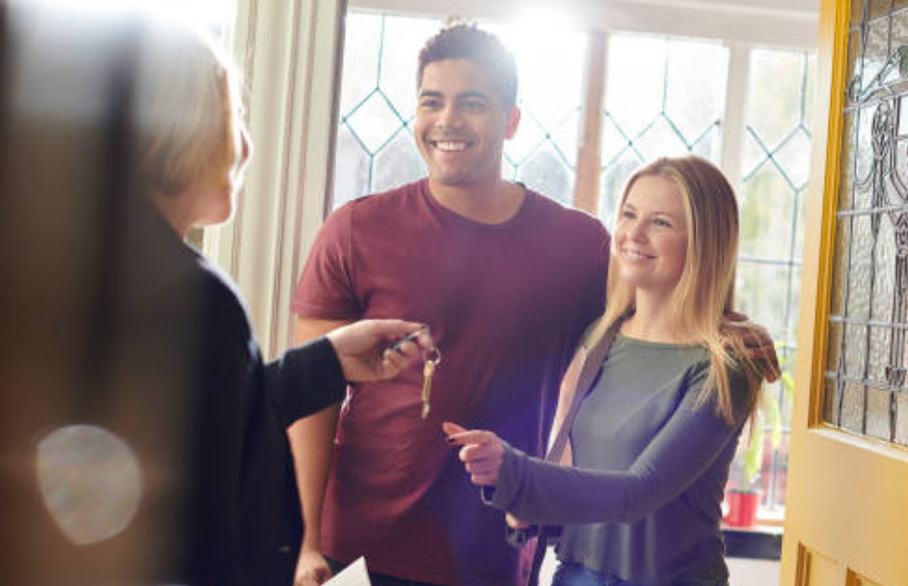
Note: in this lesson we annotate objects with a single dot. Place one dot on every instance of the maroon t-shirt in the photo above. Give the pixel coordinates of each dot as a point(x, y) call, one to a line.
point(506, 304)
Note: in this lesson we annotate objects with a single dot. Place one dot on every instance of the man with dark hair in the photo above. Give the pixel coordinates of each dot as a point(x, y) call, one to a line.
point(464, 41)
point(506, 279)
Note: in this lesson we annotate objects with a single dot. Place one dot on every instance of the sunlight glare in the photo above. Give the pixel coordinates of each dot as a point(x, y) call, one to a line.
point(195, 13)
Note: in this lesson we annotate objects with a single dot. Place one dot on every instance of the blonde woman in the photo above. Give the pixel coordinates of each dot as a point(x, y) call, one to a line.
point(653, 439)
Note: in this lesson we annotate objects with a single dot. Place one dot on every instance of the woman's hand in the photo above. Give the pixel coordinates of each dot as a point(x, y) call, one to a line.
point(515, 523)
point(481, 454)
point(367, 350)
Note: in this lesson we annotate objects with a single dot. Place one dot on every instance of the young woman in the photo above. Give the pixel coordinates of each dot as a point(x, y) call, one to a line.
point(653, 439)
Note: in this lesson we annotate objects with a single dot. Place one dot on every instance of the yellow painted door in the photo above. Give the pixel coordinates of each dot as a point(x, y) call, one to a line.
point(847, 507)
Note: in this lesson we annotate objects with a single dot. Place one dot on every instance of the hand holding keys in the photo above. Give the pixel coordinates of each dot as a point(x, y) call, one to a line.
point(431, 360)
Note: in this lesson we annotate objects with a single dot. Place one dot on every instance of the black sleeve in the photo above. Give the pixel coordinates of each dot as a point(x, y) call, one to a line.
point(305, 380)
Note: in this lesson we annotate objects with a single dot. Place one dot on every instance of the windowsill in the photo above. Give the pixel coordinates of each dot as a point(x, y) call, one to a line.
point(762, 542)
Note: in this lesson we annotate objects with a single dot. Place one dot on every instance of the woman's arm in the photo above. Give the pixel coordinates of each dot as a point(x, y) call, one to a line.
point(541, 492)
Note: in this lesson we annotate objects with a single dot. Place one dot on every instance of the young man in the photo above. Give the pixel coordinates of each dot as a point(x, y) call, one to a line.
point(506, 279)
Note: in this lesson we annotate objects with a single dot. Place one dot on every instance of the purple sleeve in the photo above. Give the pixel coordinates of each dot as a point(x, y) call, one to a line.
point(326, 289)
point(541, 492)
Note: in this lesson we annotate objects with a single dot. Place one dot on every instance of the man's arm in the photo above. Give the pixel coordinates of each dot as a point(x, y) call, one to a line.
point(312, 443)
point(754, 342)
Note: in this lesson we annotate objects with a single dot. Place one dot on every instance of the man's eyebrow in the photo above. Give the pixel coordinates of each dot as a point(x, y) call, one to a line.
point(472, 94)
point(429, 94)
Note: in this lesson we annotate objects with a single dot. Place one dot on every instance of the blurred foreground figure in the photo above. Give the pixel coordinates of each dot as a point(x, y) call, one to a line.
point(143, 436)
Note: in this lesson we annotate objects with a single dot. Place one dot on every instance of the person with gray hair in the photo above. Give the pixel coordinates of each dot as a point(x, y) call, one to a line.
point(153, 343)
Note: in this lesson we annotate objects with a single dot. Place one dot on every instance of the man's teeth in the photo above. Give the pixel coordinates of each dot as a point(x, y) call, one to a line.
point(450, 146)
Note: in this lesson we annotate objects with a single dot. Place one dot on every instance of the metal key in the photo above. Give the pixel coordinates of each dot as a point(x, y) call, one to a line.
point(433, 358)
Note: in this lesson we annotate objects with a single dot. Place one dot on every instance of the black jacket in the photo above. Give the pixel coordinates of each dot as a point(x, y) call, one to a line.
point(238, 502)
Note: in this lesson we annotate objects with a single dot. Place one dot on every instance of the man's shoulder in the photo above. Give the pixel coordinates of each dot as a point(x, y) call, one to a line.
point(383, 201)
point(373, 210)
point(567, 219)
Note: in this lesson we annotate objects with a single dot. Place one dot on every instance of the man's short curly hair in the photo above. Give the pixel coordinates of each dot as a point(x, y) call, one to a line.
point(464, 40)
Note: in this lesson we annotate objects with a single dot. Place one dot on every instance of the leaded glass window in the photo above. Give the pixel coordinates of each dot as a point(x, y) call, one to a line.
point(663, 97)
point(775, 166)
point(866, 392)
point(375, 146)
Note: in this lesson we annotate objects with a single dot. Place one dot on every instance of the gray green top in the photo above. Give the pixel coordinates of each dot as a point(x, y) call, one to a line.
point(642, 502)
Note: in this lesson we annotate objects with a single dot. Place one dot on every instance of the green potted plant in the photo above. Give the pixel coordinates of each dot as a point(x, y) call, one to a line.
point(745, 492)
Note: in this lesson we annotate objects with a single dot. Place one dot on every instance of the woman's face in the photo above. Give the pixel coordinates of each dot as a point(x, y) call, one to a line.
point(651, 235)
point(216, 195)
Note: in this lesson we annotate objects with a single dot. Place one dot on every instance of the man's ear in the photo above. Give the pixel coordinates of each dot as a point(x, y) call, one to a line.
point(513, 122)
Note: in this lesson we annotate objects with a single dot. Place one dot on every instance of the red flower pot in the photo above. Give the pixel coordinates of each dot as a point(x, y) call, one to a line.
point(742, 508)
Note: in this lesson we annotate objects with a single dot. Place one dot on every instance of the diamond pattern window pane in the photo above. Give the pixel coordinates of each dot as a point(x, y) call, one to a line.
point(543, 154)
point(613, 178)
point(775, 164)
point(375, 148)
point(773, 115)
point(635, 88)
point(870, 276)
point(767, 207)
point(695, 94)
point(662, 97)
point(764, 289)
point(547, 172)
point(374, 122)
point(351, 166)
point(661, 138)
point(403, 39)
point(398, 163)
point(525, 142)
point(361, 59)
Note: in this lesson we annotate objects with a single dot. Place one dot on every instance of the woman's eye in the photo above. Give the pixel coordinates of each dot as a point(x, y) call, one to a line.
point(662, 223)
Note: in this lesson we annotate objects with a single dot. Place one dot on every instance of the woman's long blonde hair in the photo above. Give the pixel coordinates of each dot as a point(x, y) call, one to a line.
point(704, 294)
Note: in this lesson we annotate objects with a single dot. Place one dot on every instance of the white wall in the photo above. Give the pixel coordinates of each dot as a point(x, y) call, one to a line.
point(746, 572)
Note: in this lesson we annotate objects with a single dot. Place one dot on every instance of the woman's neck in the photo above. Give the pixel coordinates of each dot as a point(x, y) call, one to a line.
point(653, 321)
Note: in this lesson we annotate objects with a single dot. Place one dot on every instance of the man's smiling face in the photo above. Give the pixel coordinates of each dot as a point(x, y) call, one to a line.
point(461, 123)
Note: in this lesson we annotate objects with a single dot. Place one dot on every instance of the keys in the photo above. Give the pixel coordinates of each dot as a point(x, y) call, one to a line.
point(432, 359)
point(410, 337)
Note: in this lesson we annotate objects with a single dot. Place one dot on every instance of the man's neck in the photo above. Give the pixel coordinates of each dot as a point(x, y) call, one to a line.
point(494, 202)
